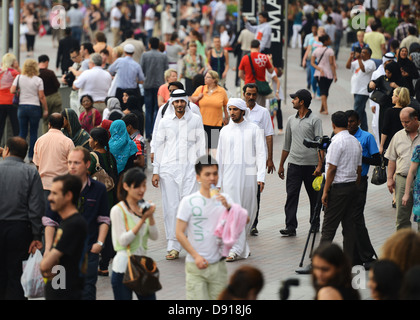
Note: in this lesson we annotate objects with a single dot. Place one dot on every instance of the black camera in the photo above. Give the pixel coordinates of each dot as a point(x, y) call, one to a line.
point(320, 142)
point(144, 206)
point(357, 50)
point(285, 289)
point(69, 77)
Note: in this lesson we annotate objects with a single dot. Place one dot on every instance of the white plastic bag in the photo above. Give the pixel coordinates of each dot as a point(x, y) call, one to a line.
point(32, 281)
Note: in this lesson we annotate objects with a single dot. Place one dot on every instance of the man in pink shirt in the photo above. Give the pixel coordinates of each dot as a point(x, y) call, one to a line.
point(51, 151)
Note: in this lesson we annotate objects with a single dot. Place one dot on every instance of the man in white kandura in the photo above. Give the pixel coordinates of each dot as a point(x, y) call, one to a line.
point(179, 142)
point(242, 158)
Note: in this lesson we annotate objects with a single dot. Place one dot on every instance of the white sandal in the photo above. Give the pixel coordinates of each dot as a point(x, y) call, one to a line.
point(232, 257)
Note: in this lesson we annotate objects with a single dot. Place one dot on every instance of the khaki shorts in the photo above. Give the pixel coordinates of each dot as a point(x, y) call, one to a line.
point(205, 284)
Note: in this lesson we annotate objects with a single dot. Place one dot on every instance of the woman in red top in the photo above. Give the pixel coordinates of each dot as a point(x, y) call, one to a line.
point(9, 71)
point(90, 118)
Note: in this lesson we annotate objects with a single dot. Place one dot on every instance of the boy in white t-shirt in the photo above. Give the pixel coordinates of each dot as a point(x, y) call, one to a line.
point(198, 215)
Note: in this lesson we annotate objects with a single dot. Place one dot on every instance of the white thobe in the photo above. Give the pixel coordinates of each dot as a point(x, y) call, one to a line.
point(241, 156)
point(178, 144)
point(375, 119)
point(194, 108)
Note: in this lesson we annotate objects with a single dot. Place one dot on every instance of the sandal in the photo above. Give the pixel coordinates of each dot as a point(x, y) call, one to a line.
point(172, 255)
point(232, 257)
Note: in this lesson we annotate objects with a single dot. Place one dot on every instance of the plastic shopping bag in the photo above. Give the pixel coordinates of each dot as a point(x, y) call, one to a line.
point(32, 281)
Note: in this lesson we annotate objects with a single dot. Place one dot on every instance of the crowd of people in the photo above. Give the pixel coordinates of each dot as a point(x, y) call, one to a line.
point(156, 99)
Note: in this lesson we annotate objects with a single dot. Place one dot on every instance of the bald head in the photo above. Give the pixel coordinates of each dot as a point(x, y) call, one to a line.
point(56, 121)
point(409, 119)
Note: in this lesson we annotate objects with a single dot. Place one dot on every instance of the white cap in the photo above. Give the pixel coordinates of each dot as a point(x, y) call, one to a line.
point(129, 48)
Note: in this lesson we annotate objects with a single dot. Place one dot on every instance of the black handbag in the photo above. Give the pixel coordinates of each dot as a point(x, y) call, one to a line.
point(379, 97)
point(142, 273)
point(264, 88)
point(379, 173)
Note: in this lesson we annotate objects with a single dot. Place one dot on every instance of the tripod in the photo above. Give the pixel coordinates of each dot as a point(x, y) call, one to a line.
point(312, 230)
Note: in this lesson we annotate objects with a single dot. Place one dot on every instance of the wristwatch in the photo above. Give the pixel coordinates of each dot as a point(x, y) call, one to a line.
point(100, 243)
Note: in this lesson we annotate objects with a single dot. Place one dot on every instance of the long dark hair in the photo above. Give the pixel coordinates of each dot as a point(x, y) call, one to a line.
point(100, 135)
point(334, 255)
point(132, 177)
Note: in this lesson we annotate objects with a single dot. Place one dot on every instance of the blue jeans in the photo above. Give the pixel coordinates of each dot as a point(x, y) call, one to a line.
point(121, 292)
point(151, 104)
point(360, 106)
point(314, 81)
point(91, 277)
point(308, 73)
point(338, 36)
point(76, 32)
point(29, 115)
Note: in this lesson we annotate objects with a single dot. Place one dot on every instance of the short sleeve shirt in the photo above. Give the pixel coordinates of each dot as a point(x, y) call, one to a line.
point(260, 62)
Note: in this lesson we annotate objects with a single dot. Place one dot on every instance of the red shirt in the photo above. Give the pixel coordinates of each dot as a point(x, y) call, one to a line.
point(6, 81)
point(260, 62)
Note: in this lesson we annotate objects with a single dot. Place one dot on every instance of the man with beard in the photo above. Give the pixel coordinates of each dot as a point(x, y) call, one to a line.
point(304, 163)
point(69, 242)
point(179, 142)
point(261, 117)
point(241, 156)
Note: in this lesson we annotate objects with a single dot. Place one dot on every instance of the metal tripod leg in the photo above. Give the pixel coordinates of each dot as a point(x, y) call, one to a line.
point(312, 229)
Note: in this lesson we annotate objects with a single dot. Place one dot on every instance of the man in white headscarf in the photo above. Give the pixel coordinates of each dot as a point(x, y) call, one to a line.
point(241, 155)
point(178, 143)
point(389, 56)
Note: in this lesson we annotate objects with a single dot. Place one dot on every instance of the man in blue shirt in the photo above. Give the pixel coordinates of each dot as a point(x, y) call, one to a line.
point(364, 252)
point(130, 75)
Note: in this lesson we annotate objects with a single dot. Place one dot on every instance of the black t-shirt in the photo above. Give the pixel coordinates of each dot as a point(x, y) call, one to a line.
point(71, 240)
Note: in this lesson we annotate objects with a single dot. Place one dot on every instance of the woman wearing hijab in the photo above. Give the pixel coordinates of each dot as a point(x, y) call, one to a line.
point(74, 130)
point(106, 124)
point(387, 58)
point(386, 84)
point(113, 109)
point(408, 69)
point(121, 146)
point(132, 106)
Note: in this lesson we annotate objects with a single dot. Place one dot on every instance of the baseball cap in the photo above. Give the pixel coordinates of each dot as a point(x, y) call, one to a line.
point(129, 48)
point(304, 95)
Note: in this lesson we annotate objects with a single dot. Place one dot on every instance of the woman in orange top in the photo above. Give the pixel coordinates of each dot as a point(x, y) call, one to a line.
point(212, 100)
point(8, 72)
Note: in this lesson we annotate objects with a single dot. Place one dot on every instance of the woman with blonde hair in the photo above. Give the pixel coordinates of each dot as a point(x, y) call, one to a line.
point(392, 123)
point(32, 102)
point(8, 72)
point(403, 247)
point(163, 94)
point(212, 100)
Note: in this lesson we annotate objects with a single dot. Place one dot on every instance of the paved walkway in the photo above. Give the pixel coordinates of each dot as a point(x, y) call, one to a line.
point(277, 257)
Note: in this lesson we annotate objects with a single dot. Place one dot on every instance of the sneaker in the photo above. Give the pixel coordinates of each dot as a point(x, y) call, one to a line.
point(288, 232)
point(254, 232)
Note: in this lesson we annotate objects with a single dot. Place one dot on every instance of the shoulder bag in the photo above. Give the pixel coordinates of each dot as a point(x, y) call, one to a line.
point(17, 94)
point(264, 88)
point(142, 273)
point(379, 173)
point(101, 175)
